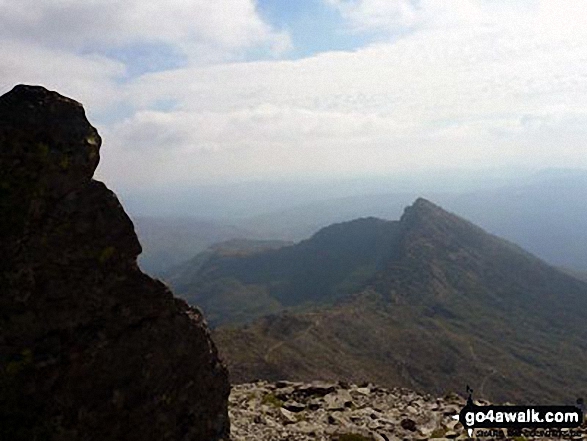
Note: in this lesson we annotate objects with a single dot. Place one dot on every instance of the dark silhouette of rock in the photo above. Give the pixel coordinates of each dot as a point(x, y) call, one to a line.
point(90, 347)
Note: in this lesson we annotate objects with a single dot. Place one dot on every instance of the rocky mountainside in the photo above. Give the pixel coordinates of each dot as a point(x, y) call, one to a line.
point(337, 261)
point(90, 347)
point(433, 301)
point(341, 411)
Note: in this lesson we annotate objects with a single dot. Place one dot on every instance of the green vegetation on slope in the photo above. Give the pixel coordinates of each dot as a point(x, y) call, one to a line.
point(446, 305)
point(240, 286)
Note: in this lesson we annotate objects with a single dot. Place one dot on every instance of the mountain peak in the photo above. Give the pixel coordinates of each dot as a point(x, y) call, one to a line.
point(421, 202)
point(422, 210)
point(424, 205)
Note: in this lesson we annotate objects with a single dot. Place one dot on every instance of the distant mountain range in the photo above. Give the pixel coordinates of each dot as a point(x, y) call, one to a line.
point(429, 302)
point(545, 214)
point(169, 241)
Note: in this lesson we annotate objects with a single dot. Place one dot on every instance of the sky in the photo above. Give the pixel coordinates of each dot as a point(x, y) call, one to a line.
point(194, 92)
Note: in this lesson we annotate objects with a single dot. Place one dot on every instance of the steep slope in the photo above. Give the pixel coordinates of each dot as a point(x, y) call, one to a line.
point(581, 275)
point(90, 347)
point(335, 262)
point(547, 216)
point(447, 304)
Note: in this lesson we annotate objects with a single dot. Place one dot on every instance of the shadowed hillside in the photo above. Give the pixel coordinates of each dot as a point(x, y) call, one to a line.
point(430, 301)
point(337, 261)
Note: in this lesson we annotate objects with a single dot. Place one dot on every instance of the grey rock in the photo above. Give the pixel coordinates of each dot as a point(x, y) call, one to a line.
point(316, 389)
point(287, 416)
point(363, 390)
point(380, 415)
point(338, 400)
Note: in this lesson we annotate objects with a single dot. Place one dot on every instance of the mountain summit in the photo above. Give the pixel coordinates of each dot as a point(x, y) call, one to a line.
point(430, 302)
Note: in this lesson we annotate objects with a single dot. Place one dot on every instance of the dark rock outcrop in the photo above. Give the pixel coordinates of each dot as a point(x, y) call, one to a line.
point(90, 347)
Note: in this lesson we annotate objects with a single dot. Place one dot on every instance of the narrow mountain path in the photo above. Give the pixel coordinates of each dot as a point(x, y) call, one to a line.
point(482, 387)
point(314, 325)
point(492, 372)
point(301, 334)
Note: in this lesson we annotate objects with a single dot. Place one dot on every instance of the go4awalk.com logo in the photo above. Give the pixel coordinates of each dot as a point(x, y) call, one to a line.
point(521, 420)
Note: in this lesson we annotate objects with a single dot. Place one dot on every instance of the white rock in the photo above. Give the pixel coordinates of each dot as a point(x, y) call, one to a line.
point(287, 416)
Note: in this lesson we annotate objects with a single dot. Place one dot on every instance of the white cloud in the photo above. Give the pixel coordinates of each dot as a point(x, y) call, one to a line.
point(497, 86)
point(468, 82)
point(200, 28)
point(381, 15)
point(90, 79)
point(69, 45)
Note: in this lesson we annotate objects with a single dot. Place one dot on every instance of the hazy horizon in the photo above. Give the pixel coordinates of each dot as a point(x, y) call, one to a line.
point(235, 200)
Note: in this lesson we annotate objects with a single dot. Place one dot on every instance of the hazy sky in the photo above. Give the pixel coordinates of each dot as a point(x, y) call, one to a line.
point(207, 91)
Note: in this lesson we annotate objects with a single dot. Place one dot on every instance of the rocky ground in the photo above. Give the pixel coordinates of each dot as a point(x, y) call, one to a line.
point(341, 412)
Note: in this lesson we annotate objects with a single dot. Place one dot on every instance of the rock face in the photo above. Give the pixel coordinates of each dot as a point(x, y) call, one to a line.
point(90, 347)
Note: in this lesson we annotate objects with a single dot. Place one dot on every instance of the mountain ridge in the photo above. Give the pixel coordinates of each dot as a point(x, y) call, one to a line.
point(436, 299)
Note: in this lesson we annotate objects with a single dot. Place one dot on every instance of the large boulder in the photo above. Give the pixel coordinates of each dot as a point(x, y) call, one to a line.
point(90, 347)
